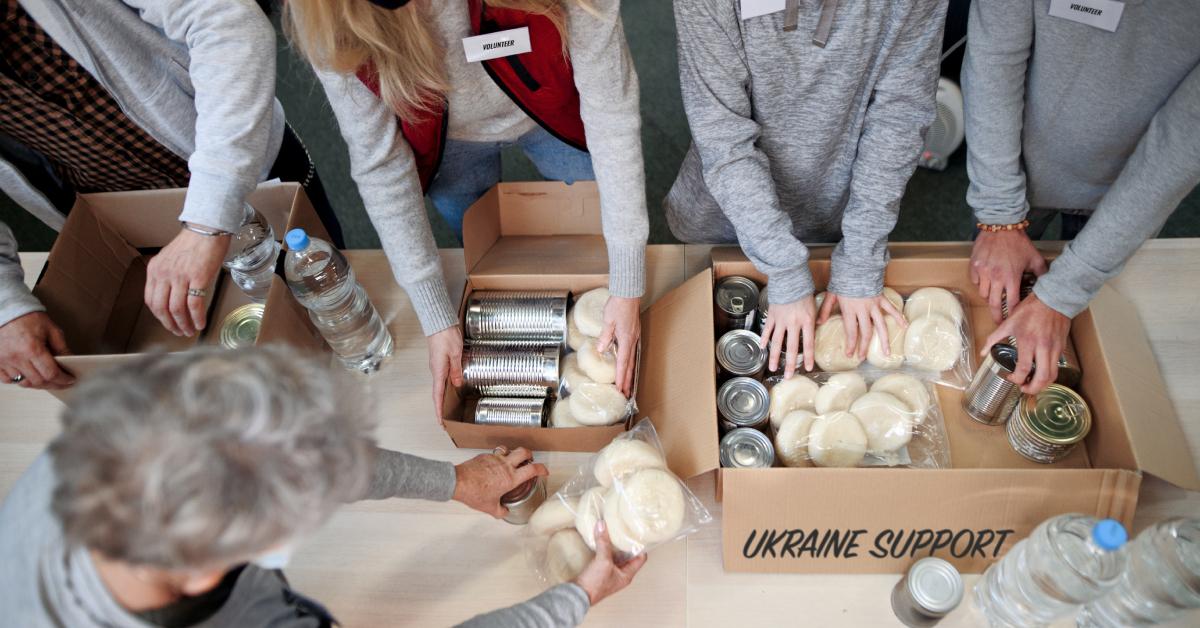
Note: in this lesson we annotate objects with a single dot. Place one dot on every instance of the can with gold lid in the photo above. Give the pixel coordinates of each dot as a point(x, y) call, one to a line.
point(241, 326)
point(1045, 427)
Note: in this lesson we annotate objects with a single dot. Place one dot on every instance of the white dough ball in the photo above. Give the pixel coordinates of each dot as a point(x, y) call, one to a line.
point(588, 512)
point(928, 301)
point(831, 347)
point(837, 440)
point(933, 343)
point(575, 338)
point(651, 505)
point(597, 404)
point(839, 392)
point(908, 389)
point(886, 420)
point(895, 344)
point(797, 393)
point(600, 367)
point(791, 439)
point(560, 415)
point(618, 531)
point(890, 294)
point(567, 556)
point(554, 514)
point(625, 455)
point(572, 375)
point(589, 312)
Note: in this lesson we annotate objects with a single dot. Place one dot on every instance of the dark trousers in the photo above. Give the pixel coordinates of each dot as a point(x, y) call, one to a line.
point(294, 164)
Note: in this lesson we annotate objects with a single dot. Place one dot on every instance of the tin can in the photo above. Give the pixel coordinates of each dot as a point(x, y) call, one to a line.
point(736, 299)
point(523, 500)
point(927, 593)
point(1069, 371)
point(739, 355)
point(990, 397)
point(511, 411)
point(763, 306)
point(493, 371)
point(1045, 427)
point(746, 448)
point(241, 326)
point(537, 317)
point(743, 402)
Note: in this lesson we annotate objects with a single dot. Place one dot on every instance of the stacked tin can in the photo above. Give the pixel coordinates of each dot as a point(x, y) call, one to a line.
point(927, 593)
point(1045, 427)
point(747, 448)
point(531, 318)
point(736, 300)
point(990, 397)
point(1069, 373)
point(739, 355)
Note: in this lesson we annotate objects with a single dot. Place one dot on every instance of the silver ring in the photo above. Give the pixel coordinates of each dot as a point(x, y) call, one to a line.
point(17, 379)
point(500, 450)
point(197, 292)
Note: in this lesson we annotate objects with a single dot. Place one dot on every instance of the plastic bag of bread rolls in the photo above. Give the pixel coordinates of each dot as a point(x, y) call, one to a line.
point(587, 394)
point(865, 420)
point(629, 486)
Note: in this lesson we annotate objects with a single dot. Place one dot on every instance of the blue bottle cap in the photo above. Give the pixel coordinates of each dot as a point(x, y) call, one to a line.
point(1109, 534)
point(297, 239)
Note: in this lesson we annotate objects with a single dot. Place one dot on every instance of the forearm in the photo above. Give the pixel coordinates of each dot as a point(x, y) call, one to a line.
point(396, 474)
point(557, 607)
point(15, 298)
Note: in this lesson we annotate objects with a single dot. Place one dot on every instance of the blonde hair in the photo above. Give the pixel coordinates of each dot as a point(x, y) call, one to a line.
point(345, 35)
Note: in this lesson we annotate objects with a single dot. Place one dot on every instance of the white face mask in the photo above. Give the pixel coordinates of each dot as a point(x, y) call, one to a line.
point(275, 559)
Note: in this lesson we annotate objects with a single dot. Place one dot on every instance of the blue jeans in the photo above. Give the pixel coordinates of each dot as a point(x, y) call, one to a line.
point(469, 169)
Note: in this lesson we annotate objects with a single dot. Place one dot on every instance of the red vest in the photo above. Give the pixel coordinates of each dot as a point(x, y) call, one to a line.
point(541, 83)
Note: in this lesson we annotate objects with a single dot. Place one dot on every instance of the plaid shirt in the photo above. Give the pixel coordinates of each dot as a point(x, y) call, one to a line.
point(51, 104)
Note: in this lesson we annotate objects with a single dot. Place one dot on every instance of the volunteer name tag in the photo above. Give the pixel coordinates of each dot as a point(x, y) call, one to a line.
point(1105, 14)
point(496, 45)
point(755, 8)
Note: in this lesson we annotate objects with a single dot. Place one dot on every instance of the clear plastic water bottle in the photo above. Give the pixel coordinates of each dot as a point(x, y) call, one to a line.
point(1065, 563)
point(253, 252)
point(323, 282)
point(1161, 579)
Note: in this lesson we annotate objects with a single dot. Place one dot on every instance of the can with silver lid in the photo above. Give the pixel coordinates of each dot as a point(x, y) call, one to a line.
point(1045, 427)
point(493, 371)
point(1069, 371)
point(511, 411)
point(927, 593)
point(743, 402)
point(739, 354)
point(528, 317)
point(990, 397)
point(241, 326)
point(523, 500)
point(747, 448)
point(736, 299)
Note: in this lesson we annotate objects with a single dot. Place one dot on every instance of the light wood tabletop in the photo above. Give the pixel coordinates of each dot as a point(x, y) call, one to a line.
point(400, 562)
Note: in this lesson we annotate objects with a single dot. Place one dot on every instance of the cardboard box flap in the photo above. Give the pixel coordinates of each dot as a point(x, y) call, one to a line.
point(675, 390)
point(535, 228)
point(1152, 426)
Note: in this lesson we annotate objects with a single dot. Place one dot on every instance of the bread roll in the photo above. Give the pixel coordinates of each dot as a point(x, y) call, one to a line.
point(928, 301)
point(933, 343)
point(588, 512)
point(791, 438)
point(885, 419)
point(589, 312)
point(891, 295)
point(618, 532)
point(597, 404)
point(651, 505)
point(567, 556)
point(600, 367)
point(831, 347)
point(839, 392)
point(623, 456)
point(895, 344)
point(797, 393)
point(575, 338)
point(572, 375)
point(560, 415)
point(555, 513)
point(908, 389)
point(837, 440)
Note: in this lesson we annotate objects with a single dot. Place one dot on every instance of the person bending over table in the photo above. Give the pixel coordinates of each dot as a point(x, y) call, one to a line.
point(420, 118)
point(116, 95)
point(1096, 118)
point(806, 125)
point(181, 483)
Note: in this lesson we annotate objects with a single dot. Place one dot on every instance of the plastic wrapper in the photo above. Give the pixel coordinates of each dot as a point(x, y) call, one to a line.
point(595, 402)
point(858, 420)
point(628, 486)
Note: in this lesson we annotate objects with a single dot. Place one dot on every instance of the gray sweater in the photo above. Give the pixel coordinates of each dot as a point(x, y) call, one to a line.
point(382, 164)
point(46, 583)
point(1065, 116)
point(795, 143)
point(168, 64)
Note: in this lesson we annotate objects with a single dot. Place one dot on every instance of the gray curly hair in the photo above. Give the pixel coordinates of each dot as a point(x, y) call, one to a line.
point(208, 457)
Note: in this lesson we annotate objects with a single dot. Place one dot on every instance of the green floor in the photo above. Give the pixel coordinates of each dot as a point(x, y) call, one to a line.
point(934, 207)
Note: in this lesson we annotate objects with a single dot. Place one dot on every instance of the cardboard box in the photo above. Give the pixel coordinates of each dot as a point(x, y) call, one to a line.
point(92, 284)
point(812, 520)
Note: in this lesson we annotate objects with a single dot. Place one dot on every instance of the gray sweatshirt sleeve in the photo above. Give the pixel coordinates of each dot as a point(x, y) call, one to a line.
point(383, 166)
point(410, 477)
point(608, 93)
point(999, 42)
point(1162, 170)
point(901, 110)
point(558, 607)
point(15, 298)
point(715, 81)
point(232, 68)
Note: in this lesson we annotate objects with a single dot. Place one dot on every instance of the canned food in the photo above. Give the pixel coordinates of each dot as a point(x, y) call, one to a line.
point(763, 306)
point(991, 396)
point(736, 299)
point(743, 402)
point(241, 326)
point(514, 372)
point(511, 411)
point(1047, 426)
point(538, 317)
point(739, 354)
point(746, 448)
point(523, 500)
point(1069, 372)
point(927, 593)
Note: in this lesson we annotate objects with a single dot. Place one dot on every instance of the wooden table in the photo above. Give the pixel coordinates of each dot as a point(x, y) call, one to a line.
point(428, 564)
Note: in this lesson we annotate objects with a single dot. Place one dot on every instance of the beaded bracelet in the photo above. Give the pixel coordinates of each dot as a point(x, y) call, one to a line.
point(1020, 226)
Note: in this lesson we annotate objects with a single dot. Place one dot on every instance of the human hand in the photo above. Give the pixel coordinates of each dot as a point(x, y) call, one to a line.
point(28, 345)
point(859, 317)
point(1041, 333)
point(790, 322)
point(603, 576)
point(190, 261)
point(481, 481)
point(445, 362)
point(623, 323)
point(998, 260)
